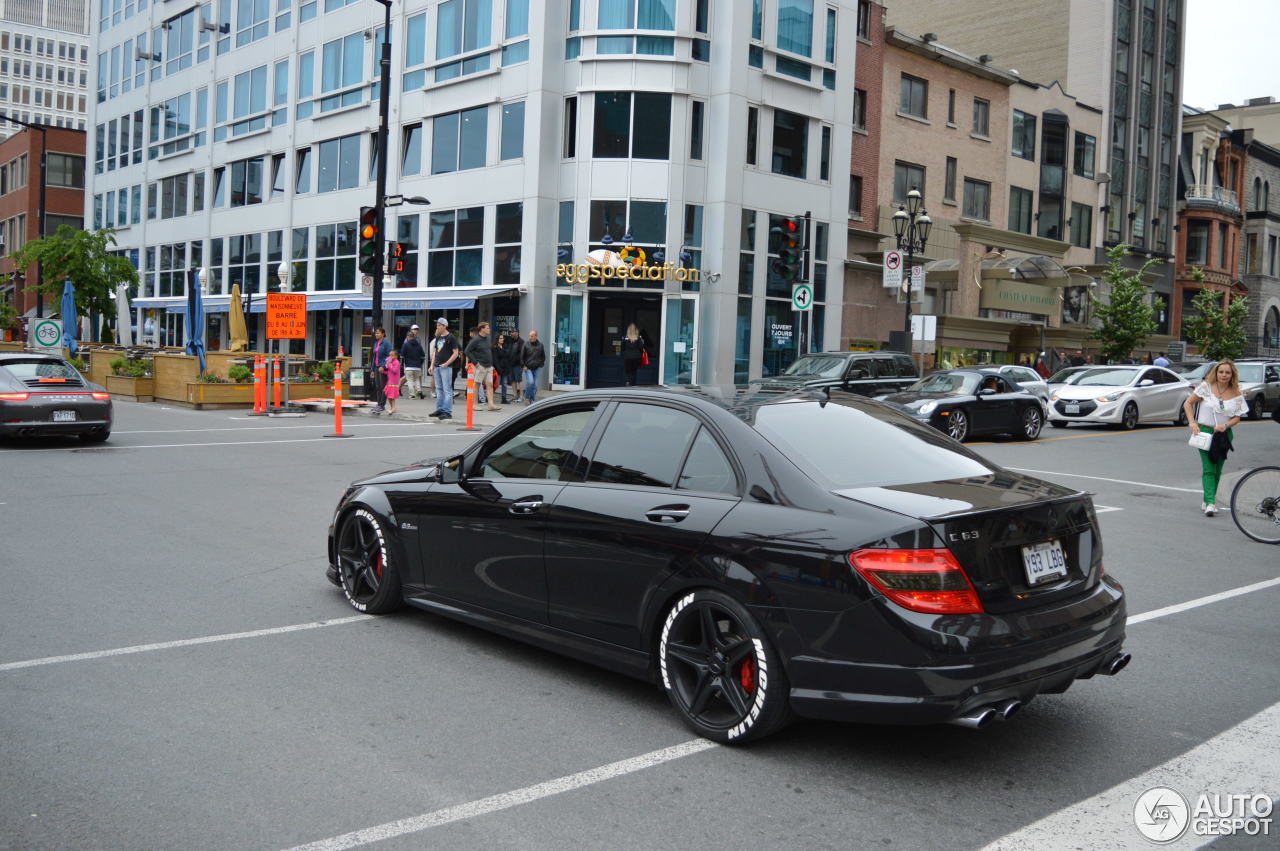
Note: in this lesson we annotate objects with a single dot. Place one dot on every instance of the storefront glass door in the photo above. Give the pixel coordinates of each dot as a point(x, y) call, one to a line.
point(680, 340)
point(566, 349)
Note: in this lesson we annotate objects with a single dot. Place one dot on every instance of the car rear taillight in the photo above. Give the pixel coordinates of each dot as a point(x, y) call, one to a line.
point(102, 397)
point(930, 581)
point(14, 397)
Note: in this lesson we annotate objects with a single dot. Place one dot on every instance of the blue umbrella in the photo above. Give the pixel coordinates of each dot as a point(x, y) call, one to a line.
point(69, 316)
point(194, 321)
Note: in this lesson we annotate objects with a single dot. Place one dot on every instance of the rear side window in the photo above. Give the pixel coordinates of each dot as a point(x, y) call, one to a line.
point(40, 368)
point(642, 445)
point(544, 450)
point(886, 368)
point(707, 469)
point(1273, 373)
point(848, 444)
point(906, 367)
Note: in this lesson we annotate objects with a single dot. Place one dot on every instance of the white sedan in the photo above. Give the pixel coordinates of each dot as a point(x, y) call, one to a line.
point(1119, 395)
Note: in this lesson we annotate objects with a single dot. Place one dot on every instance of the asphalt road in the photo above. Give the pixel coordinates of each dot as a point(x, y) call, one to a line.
point(136, 712)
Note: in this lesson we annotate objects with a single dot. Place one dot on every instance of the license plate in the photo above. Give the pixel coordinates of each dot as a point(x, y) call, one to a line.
point(1073, 409)
point(1044, 562)
point(64, 416)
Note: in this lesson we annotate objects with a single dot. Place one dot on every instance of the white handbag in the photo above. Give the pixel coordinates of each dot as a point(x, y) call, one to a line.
point(1201, 440)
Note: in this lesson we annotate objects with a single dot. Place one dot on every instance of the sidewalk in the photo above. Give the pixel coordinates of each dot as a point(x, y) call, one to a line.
point(419, 410)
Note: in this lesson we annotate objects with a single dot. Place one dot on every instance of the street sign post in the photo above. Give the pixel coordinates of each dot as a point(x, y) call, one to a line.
point(892, 273)
point(46, 335)
point(802, 297)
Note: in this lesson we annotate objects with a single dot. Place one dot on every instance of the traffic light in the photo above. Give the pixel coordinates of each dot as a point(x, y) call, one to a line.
point(395, 258)
point(369, 237)
point(787, 241)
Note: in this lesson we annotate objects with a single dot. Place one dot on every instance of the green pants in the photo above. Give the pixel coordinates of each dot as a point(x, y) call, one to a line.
point(1209, 471)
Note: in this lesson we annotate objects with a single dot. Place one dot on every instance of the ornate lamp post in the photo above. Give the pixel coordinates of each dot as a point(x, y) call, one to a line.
point(911, 225)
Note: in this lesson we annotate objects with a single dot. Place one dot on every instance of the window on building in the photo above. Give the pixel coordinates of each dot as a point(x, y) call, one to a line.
point(949, 181)
point(859, 109)
point(1198, 242)
point(339, 162)
point(951, 107)
point(411, 159)
point(790, 143)
point(1081, 226)
point(1024, 135)
point(455, 241)
point(914, 98)
point(252, 21)
point(855, 196)
point(278, 177)
point(64, 170)
point(824, 159)
point(511, 144)
point(302, 171)
point(696, 122)
point(906, 176)
point(643, 15)
point(632, 124)
point(753, 133)
point(570, 127)
point(246, 182)
point(977, 199)
point(1020, 205)
point(1222, 245)
point(179, 41)
point(795, 26)
point(342, 72)
point(508, 235)
point(461, 27)
point(1085, 154)
point(459, 140)
point(981, 117)
point(864, 19)
point(336, 247)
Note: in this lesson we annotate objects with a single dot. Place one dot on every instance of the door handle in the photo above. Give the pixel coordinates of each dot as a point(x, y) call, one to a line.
point(668, 513)
point(526, 506)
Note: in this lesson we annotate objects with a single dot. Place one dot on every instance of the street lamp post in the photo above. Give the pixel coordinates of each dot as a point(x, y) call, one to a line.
point(380, 198)
point(43, 185)
point(911, 225)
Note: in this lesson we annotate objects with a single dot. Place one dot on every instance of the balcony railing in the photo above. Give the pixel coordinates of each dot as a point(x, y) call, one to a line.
point(1217, 195)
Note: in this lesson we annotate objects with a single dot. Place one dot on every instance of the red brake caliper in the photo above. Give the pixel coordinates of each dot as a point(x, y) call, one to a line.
point(377, 563)
point(748, 674)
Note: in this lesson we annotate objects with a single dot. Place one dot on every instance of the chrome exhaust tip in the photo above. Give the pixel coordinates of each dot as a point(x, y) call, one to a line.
point(1008, 709)
point(1117, 664)
point(977, 719)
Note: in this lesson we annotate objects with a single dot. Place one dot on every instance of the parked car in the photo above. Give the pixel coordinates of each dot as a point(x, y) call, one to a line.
point(754, 553)
point(865, 373)
point(1028, 379)
point(1260, 384)
point(1120, 395)
point(1063, 376)
point(970, 401)
point(42, 395)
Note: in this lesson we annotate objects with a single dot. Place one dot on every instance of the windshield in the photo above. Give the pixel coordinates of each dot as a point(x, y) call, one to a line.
point(1064, 376)
point(1193, 371)
point(40, 368)
point(824, 367)
point(851, 444)
point(1249, 372)
point(1104, 377)
point(954, 383)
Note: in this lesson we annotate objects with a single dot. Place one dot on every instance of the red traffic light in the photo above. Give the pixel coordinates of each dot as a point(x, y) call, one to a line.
point(791, 225)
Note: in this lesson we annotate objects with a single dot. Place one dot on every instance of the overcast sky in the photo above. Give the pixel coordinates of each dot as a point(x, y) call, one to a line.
point(1232, 51)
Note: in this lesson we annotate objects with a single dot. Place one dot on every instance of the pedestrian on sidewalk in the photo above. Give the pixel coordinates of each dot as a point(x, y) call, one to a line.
point(445, 351)
point(634, 348)
point(413, 356)
point(1221, 407)
point(534, 359)
point(501, 364)
point(480, 352)
point(393, 373)
point(516, 345)
point(381, 348)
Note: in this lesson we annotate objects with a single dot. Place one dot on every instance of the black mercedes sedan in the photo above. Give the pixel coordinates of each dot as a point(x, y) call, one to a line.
point(43, 396)
point(968, 402)
point(757, 554)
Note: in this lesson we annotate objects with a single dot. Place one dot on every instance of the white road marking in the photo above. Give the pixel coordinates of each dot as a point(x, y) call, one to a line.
point(1103, 509)
point(415, 436)
point(507, 800)
point(1105, 479)
point(328, 424)
point(1203, 601)
point(185, 642)
point(1232, 762)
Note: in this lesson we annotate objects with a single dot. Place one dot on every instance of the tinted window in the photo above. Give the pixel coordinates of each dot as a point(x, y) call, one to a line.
point(906, 368)
point(886, 368)
point(846, 444)
point(642, 445)
point(40, 368)
point(1020, 375)
point(826, 366)
point(707, 469)
point(1273, 373)
point(544, 450)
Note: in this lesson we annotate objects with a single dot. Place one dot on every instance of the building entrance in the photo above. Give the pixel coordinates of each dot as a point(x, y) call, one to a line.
point(608, 315)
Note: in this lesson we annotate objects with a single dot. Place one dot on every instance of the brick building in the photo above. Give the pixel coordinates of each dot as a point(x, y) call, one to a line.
point(1210, 220)
point(20, 202)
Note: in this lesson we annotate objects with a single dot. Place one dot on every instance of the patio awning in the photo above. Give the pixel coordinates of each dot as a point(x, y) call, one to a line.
point(1037, 268)
point(418, 298)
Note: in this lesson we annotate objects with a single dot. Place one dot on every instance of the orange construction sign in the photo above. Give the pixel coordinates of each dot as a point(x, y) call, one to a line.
point(286, 316)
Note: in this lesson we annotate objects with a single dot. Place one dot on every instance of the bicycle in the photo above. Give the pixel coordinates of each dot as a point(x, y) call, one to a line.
point(1255, 504)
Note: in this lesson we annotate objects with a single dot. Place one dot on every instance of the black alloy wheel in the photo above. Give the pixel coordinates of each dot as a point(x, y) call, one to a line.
point(719, 669)
point(1182, 416)
point(1032, 422)
point(1256, 408)
point(368, 578)
point(958, 425)
point(1129, 419)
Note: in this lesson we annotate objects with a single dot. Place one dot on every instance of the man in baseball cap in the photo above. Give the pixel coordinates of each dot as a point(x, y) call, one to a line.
point(445, 352)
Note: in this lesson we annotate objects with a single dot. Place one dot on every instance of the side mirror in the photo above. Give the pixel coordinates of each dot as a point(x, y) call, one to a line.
point(1146, 382)
point(450, 472)
point(987, 391)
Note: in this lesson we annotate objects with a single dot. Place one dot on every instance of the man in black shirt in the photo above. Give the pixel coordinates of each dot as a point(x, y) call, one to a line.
point(444, 353)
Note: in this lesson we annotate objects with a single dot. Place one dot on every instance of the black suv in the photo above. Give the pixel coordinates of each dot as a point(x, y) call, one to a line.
point(866, 373)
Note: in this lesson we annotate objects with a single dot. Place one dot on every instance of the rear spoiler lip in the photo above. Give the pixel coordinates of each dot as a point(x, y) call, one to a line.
point(978, 512)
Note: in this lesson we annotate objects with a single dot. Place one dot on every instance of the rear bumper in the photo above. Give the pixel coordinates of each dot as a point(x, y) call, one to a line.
point(37, 428)
point(943, 688)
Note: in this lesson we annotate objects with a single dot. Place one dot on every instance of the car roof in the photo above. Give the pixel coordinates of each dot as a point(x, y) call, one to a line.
point(28, 356)
point(740, 400)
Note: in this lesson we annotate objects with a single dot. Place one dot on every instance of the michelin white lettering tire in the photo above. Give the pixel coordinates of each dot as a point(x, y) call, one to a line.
point(368, 578)
point(720, 670)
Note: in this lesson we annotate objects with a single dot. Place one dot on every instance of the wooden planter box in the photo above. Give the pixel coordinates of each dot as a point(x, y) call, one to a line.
point(133, 389)
point(213, 396)
point(100, 364)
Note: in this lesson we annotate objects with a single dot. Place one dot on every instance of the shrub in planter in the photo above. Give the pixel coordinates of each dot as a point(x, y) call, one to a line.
point(239, 373)
point(118, 365)
point(210, 378)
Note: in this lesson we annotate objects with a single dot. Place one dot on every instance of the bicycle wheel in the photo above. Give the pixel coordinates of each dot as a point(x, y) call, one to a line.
point(1255, 504)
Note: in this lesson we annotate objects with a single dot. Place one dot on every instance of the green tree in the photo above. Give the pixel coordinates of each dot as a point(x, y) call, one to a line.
point(1219, 333)
point(8, 315)
point(84, 258)
point(1127, 319)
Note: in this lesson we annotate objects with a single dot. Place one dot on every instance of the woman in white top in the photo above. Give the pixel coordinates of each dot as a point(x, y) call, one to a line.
point(1221, 407)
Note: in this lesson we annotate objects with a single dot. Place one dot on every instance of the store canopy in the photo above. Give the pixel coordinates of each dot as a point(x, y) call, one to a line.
point(423, 298)
point(1035, 267)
